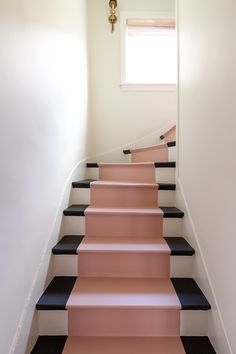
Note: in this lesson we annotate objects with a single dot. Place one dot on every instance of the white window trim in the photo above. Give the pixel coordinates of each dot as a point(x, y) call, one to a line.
point(127, 86)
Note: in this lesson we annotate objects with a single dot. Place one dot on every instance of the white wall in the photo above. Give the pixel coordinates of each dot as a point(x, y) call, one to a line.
point(207, 164)
point(120, 117)
point(44, 134)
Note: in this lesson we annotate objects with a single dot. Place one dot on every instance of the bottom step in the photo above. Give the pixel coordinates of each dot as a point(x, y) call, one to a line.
point(135, 345)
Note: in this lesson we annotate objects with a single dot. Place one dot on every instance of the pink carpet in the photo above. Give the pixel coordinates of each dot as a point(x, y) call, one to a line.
point(123, 301)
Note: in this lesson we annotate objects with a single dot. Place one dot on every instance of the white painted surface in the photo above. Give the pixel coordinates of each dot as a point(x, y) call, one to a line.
point(192, 323)
point(172, 227)
point(181, 266)
point(207, 110)
point(43, 109)
point(52, 323)
point(120, 117)
point(172, 153)
point(65, 265)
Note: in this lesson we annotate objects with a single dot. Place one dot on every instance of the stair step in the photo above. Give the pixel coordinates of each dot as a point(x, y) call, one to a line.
point(170, 134)
point(195, 298)
point(124, 257)
point(164, 173)
point(134, 345)
point(56, 345)
point(49, 345)
point(169, 144)
point(123, 307)
point(56, 296)
point(67, 263)
point(157, 164)
point(143, 172)
point(161, 186)
point(159, 153)
point(79, 209)
point(197, 345)
point(179, 246)
point(125, 222)
point(123, 293)
point(82, 195)
point(74, 225)
point(123, 195)
point(69, 245)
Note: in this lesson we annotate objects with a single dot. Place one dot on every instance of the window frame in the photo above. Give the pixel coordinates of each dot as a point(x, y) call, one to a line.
point(127, 86)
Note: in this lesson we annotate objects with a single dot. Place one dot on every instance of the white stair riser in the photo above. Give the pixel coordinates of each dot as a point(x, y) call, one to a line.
point(172, 153)
point(67, 265)
point(124, 322)
point(82, 196)
point(163, 175)
point(75, 225)
point(192, 323)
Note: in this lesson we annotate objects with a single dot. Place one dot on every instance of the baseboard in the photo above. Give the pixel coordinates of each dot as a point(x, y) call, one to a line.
point(216, 328)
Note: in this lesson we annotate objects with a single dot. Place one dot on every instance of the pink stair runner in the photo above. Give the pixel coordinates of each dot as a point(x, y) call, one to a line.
point(156, 153)
point(124, 302)
point(170, 135)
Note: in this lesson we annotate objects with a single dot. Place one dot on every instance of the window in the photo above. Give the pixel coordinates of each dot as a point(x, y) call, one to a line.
point(149, 50)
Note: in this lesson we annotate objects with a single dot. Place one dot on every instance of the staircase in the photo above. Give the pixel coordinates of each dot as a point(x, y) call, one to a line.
point(122, 271)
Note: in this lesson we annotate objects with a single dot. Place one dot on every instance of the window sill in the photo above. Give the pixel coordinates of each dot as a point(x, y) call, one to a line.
point(125, 86)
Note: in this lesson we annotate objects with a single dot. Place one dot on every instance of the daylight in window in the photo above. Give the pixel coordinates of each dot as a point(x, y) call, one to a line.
point(150, 51)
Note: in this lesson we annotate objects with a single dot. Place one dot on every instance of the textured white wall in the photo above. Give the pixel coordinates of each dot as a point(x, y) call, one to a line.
point(120, 117)
point(43, 110)
point(207, 164)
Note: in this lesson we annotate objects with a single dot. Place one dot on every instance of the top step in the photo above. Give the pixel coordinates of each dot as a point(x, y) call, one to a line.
point(169, 144)
point(169, 135)
point(166, 164)
point(153, 153)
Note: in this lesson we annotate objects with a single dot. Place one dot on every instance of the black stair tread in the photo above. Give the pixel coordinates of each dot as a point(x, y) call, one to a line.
point(190, 295)
point(179, 246)
point(83, 184)
point(197, 345)
point(86, 184)
point(167, 186)
point(165, 164)
point(127, 151)
point(56, 295)
point(169, 144)
point(55, 345)
point(68, 245)
point(78, 210)
point(157, 164)
point(172, 212)
point(49, 345)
